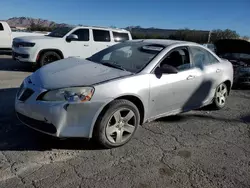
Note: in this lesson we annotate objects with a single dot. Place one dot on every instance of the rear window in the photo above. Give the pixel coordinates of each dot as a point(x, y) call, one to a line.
point(101, 35)
point(1, 27)
point(119, 37)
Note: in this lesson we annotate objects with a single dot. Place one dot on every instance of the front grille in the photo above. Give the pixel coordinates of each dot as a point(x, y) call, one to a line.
point(36, 124)
point(26, 94)
point(15, 55)
point(244, 79)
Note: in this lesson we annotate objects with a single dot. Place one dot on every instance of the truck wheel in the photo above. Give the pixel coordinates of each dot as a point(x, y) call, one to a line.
point(117, 125)
point(48, 57)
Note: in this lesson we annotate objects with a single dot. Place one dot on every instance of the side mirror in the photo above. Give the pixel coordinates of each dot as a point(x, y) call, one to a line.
point(165, 69)
point(71, 37)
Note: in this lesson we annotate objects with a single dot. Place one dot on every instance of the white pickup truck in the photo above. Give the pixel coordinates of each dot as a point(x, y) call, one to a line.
point(7, 36)
point(64, 42)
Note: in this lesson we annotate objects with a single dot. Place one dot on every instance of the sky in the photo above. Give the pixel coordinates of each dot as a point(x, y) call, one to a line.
point(168, 14)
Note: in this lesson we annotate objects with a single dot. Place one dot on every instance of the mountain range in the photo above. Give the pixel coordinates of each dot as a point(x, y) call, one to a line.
point(137, 30)
point(27, 21)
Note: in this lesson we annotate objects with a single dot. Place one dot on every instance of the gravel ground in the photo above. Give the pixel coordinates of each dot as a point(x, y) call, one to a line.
point(196, 149)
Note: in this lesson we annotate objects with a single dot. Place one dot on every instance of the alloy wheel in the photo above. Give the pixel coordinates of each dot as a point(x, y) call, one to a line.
point(50, 58)
point(221, 94)
point(121, 126)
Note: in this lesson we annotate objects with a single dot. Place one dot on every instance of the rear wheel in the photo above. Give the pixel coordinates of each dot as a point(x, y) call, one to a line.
point(48, 57)
point(117, 125)
point(220, 97)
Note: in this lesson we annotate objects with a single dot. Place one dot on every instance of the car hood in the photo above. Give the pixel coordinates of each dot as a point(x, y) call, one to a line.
point(74, 72)
point(35, 38)
point(232, 46)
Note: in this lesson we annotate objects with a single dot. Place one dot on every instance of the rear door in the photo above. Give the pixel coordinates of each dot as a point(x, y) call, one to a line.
point(5, 36)
point(209, 65)
point(101, 39)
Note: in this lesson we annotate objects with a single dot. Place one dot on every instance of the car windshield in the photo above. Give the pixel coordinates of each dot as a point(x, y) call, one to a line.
point(129, 56)
point(60, 32)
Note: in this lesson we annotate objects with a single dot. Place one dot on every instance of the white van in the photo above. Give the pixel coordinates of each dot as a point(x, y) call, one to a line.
point(66, 42)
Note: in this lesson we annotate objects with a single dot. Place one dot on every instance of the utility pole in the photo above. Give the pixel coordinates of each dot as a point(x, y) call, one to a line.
point(209, 36)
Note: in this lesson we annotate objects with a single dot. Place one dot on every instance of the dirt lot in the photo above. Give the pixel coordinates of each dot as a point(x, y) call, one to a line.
point(196, 149)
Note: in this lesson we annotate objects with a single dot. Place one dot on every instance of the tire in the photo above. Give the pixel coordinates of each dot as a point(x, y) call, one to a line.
point(113, 130)
point(221, 94)
point(48, 57)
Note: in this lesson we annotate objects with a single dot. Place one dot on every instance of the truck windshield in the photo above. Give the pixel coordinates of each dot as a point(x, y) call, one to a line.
point(60, 32)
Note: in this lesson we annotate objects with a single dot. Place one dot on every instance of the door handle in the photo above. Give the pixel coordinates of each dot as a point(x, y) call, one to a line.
point(85, 45)
point(218, 70)
point(190, 77)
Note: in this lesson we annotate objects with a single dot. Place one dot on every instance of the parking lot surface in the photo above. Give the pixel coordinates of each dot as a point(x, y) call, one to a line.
point(198, 149)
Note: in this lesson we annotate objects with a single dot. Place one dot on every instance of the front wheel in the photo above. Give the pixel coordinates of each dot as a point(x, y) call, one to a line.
point(117, 125)
point(220, 97)
point(48, 57)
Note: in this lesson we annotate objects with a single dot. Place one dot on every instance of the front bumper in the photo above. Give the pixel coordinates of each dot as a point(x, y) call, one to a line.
point(59, 119)
point(242, 76)
point(243, 81)
point(24, 54)
point(17, 56)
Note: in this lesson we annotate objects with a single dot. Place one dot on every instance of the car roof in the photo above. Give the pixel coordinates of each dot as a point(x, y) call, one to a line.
point(102, 28)
point(164, 42)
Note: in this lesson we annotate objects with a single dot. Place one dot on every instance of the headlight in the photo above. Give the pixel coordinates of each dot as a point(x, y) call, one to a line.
point(74, 94)
point(26, 44)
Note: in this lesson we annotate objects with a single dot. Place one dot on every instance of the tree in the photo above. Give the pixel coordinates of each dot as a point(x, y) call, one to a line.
point(223, 34)
point(190, 35)
point(246, 38)
point(38, 27)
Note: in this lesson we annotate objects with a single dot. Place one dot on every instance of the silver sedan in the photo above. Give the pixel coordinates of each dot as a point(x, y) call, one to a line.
point(108, 95)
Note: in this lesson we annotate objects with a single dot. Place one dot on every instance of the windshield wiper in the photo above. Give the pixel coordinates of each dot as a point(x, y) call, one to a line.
point(114, 66)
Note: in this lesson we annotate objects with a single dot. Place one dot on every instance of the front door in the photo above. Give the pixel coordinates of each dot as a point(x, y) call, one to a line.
point(173, 93)
point(81, 47)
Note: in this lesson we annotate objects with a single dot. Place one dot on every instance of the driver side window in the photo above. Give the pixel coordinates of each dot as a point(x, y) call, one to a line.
point(178, 58)
point(83, 34)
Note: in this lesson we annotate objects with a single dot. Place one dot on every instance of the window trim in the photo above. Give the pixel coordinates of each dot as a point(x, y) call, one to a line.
point(174, 49)
point(119, 33)
point(82, 29)
point(192, 55)
point(110, 37)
